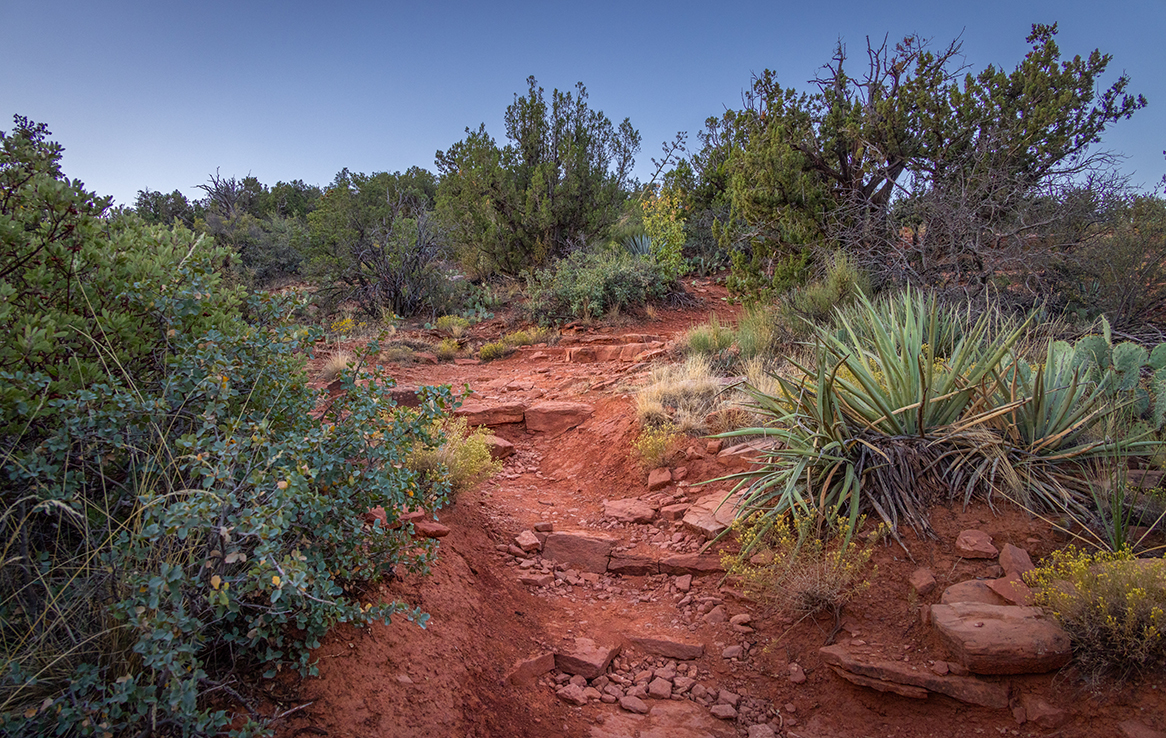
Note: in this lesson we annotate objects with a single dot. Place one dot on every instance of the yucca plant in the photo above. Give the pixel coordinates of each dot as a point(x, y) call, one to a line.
point(885, 423)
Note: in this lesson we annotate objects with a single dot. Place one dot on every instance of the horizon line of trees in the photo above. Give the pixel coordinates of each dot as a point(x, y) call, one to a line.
point(921, 170)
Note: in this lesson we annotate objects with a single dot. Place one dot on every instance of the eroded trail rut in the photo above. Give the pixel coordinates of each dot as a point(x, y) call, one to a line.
point(629, 580)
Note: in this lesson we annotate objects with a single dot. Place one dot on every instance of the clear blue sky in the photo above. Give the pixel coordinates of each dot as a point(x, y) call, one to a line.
point(159, 94)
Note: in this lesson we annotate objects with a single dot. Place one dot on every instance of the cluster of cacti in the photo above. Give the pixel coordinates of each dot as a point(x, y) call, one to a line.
point(1117, 370)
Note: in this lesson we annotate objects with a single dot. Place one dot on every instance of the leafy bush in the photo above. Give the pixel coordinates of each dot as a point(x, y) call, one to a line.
point(588, 284)
point(1112, 605)
point(664, 225)
point(1120, 270)
point(172, 509)
point(816, 301)
point(803, 563)
point(461, 461)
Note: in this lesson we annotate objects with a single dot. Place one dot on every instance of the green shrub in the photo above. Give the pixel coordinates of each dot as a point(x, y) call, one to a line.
point(708, 338)
point(530, 336)
point(172, 508)
point(461, 461)
point(756, 334)
point(494, 350)
point(1112, 605)
point(589, 284)
point(816, 301)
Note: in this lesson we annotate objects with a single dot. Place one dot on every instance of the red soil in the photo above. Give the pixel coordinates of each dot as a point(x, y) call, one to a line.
point(447, 679)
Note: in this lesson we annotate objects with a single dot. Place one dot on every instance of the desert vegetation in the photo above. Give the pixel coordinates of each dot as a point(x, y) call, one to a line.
point(948, 297)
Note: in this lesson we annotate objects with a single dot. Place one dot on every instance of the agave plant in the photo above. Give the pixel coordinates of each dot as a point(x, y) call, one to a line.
point(885, 424)
point(638, 245)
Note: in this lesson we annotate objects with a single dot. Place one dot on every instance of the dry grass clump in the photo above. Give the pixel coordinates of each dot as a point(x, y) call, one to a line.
point(335, 364)
point(805, 563)
point(397, 354)
point(681, 395)
point(708, 338)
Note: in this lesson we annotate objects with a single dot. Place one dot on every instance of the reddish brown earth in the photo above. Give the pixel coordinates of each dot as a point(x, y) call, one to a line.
point(448, 679)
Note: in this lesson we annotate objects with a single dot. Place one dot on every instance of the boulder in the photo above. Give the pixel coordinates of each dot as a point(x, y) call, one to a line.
point(555, 416)
point(581, 549)
point(527, 541)
point(674, 512)
point(1012, 589)
point(975, 544)
point(660, 689)
point(1001, 639)
point(634, 704)
point(631, 510)
point(572, 694)
point(587, 659)
point(477, 413)
point(429, 529)
point(864, 667)
point(668, 648)
point(536, 580)
point(1044, 715)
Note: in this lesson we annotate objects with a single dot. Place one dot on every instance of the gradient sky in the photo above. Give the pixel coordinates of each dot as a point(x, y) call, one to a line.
point(159, 94)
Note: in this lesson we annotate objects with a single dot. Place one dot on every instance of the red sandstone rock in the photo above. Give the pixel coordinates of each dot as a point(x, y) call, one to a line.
point(555, 416)
point(587, 659)
point(973, 590)
point(430, 529)
point(923, 582)
point(499, 448)
point(996, 639)
point(526, 671)
point(1015, 560)
point(975, 544)
point(886, 675)
point(629, 511)
point(584, 550)
point(659, 479)
point(668, 648)
point(477, 413)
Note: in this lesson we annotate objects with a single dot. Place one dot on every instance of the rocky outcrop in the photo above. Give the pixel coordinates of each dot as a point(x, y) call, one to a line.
point(631, 510)
point(712, 514)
